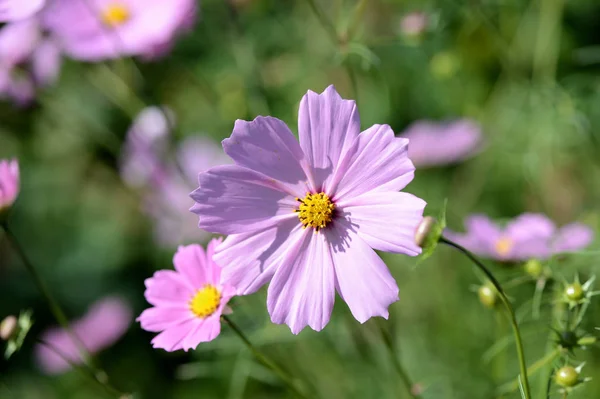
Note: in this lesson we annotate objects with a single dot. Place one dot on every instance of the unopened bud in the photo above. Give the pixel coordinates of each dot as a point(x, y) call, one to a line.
point(574, 292)
point(566, 376)
point(534, 268)
point(487, 295)
point(424, 230)
point(8, 327)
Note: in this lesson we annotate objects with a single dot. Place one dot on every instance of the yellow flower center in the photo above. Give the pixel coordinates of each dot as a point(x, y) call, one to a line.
point(115, 14)
point(206, 301)
point(315, 210)
point(503, 246)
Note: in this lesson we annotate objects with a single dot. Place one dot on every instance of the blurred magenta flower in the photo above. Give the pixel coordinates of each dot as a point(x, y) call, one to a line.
point(105, 29)
point(188, 301)
point(28, 60)
point(528, 236)
point(15, 10)
point(9, 183)
point(168, 178)
point(436, 144)
point(105, 322)
point(306, 216)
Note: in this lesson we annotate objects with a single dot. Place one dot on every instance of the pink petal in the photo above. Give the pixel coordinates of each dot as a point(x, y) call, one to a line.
point(480, 237)
point(267, 145)
point(45, 63)
point(249, 260)
point(327, 127)
point(171, 339)
point(572, 237)
point(378, 161)
point(531, 234)
point(191, 261)
point(232, 200)
point(205, 330)
point(161, 318)
point(168, 288)
point(386, 221)
point(14, 10)
point(302, 291)
point(18, 40)
point(363, 280)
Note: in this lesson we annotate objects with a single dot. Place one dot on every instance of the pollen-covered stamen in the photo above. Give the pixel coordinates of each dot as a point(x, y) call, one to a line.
point(503, 246)
point(115, 14)
point(315, 210)
point(206, 301)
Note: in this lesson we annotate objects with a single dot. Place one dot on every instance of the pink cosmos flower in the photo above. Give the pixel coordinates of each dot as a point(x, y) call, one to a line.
point(95, 30)
point(28, 60)
point(307, 216)
point(105, 322)
point(530, 235)
point(188, 302)
point(168, 178)
point(435, 144)
point(15, 10)
point(9, 183)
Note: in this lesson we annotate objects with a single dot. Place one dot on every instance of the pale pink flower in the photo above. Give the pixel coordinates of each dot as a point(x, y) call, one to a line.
point(9, 183)
point(105, 322)
point(414, 23)
point(95, 30)
point(188, 301)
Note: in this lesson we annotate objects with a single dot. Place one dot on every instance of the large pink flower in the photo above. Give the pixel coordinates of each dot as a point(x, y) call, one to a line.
point(9, 182)
point(105, 322)
point(102, 29)
point(188, 302)
point(307, 216)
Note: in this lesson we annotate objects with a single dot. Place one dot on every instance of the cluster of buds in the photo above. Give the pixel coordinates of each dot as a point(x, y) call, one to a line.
point(13, 331)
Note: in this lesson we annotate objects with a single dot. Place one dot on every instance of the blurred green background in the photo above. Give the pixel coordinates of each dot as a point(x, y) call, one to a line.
point(527, 71)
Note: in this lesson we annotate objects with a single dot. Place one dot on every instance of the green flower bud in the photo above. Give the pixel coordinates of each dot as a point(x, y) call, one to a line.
point(8, 328)
point(487, 295)
point(424, 230)
point(574, 292)
point(566, 376)
point(534, 268)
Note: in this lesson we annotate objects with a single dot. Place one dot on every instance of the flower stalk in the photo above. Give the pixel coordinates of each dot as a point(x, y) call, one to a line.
point(507, 305)
point(265, 361)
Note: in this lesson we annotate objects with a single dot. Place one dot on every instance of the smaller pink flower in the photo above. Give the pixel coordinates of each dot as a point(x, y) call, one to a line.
point(15, 10)
point(9, 182)
point(105, 322)
point(530, 235)
point(438, 144)
point(188, 301)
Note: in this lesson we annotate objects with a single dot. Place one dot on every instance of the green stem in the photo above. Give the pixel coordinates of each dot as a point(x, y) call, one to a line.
point(88, 373)
point(285, 377)
point(327, 25)
point(506, 302)
point(55, 308)
point(408, 385)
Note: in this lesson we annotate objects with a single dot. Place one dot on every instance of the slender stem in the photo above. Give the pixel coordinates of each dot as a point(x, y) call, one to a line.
point(327, 25)
point(506, 302)
point(55, 308)
point(86, 372)
point(285, 377)
point(408, 385)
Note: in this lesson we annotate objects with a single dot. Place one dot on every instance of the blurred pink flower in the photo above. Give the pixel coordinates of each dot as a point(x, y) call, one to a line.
point(188, 302)
point(15, 10)
point(28, 60)
point(105, 322)
point(9, 183)
point(529, 236)
point(167, 178)
point(95, 30)
point(308, 216)
point(436, 144)
point(414, 23)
